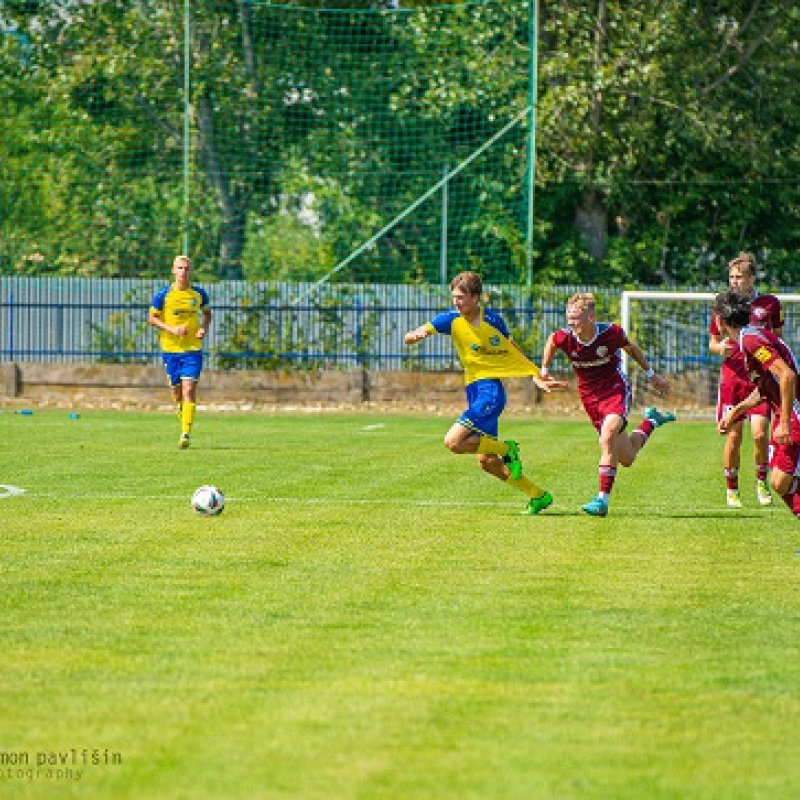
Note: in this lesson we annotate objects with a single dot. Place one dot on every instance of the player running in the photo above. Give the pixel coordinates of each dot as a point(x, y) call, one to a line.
point(487, 354)
point(593, 349)
point(774, 371)
point(176, 312)
point(735, 384)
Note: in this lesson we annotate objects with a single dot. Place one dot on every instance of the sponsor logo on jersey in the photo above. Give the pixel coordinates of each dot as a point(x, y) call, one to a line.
point(762, 354)
point(598, 363)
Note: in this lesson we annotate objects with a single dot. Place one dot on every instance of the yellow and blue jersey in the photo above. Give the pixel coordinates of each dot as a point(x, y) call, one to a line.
point(180, 307)
point(485, 351)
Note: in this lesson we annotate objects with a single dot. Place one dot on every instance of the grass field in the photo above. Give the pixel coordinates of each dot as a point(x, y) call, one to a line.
point(371, 618)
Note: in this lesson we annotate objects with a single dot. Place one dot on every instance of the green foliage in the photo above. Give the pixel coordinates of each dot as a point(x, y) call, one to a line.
point(121, 339)
point(666, 139)
point(260, 333)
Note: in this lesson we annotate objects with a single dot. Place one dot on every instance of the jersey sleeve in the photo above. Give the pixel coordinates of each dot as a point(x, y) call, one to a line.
point(713, 328)
point(158, 299)
point(203, 295)
point(560, 338)
point(443, 323)
point(759, 348)
point(618, 336)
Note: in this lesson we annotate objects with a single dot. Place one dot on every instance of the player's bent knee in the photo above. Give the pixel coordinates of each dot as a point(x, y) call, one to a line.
point(780, 482)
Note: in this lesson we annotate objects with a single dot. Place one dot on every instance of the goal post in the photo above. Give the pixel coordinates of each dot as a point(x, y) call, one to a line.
point(671, 328)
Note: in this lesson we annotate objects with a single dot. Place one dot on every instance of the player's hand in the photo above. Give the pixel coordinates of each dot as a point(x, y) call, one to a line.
point(782, 433)
point(728, 348)
point(178, 330)
point(661, 385)
point(201, 332)
point(417, 335)
point(547, 383)
point(723, 426)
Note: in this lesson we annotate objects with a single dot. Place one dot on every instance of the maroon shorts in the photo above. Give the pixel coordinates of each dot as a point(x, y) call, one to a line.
point(598, 408)
point(786, 457)
point(731, 392)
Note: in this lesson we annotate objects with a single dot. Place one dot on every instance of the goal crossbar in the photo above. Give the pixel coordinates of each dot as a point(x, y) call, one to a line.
point(628, 296)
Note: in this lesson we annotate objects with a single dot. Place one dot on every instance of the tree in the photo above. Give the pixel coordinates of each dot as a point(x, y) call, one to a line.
point(664, 116)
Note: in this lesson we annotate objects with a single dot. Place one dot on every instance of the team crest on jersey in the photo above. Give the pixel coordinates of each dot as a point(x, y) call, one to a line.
point(762, 354)
point(602, 351)
point(494, 341)
point(474, 346)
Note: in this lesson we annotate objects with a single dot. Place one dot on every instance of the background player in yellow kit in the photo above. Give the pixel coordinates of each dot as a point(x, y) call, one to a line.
point(487, 354)
point(176, 311)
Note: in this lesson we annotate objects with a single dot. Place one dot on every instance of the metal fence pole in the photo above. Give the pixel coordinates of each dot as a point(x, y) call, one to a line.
point(533, 78)
point(187, 120)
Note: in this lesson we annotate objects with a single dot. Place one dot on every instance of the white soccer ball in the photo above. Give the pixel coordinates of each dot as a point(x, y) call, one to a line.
point(208, 501)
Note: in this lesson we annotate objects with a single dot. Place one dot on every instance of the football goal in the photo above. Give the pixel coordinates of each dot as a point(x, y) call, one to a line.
point(672, 330)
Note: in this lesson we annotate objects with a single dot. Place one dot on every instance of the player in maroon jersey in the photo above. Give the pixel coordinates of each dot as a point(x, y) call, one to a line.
point(774, 371)
point(735, 384)
point(593, 349)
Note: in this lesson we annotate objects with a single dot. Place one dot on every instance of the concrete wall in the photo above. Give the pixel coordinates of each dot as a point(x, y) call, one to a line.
point(118, 386)
point(91, 385)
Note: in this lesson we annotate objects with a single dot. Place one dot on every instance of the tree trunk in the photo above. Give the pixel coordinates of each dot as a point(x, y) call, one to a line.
point(232, 207)
point(591, 220)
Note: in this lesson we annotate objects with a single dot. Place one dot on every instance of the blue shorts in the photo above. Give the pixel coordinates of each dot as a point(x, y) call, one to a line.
point(486, 399)
point(183, 366)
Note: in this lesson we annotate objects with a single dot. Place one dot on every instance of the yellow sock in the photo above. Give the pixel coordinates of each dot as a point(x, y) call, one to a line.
point(526, 486)
point(488, 445)
point(187, 417)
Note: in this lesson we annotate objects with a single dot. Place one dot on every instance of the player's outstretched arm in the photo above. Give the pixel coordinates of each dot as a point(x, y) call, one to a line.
point(543, 380)
point(660, 384)
point(417, 335)
point(548, 353)
point(547, 383)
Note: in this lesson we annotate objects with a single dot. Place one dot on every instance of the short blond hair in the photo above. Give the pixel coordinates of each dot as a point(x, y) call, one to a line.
point(180, 259)
point(743, 260)
point(583, 300)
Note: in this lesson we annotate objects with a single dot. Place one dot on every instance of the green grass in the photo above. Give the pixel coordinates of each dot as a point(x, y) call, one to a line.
point(370, 617)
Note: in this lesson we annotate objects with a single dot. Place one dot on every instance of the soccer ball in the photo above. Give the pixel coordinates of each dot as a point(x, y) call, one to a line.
point(208, 501)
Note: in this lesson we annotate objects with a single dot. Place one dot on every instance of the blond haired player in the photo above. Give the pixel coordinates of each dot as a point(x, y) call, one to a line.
point(593, 349)
point(182, 314)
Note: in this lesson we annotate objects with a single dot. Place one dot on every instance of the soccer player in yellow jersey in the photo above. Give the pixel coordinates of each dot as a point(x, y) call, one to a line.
point(487, 354)
point(182, 314)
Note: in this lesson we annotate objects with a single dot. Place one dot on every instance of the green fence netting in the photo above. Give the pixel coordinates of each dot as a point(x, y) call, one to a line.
point(272, 142)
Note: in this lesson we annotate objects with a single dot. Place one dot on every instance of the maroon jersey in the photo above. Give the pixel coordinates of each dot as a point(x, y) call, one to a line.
point(761, 348)
point(596, 362)
point(734, 380)
point(765, 312)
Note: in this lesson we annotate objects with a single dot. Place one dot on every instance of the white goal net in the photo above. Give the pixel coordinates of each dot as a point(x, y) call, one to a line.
point(672, 330)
